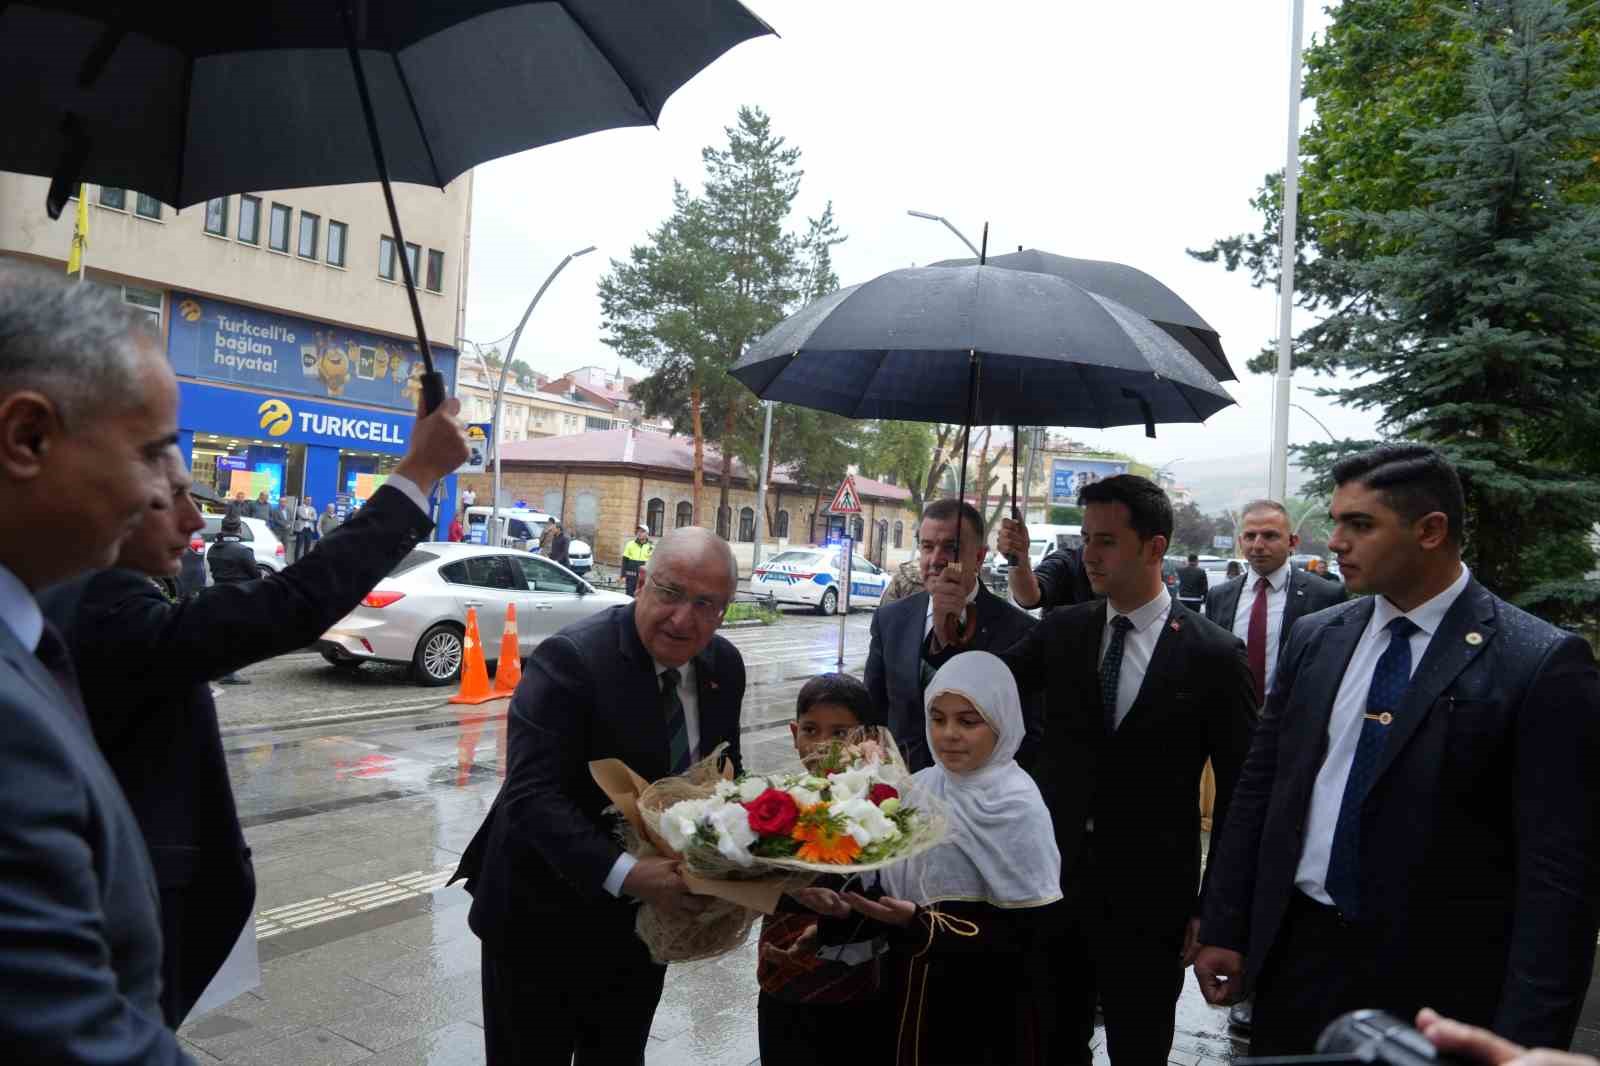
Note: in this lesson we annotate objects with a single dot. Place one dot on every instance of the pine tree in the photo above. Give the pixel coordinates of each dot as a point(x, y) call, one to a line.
point(1483, 337)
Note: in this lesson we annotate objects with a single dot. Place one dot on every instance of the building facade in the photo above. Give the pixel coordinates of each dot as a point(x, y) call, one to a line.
point(284, 316)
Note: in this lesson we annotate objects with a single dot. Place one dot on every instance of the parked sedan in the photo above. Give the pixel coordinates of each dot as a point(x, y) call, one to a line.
point(418, 613)
point(810, 577)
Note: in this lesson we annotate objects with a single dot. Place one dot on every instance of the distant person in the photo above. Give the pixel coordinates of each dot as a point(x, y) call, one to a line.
point(456, 533)
point(635, 554)
point(305, 527)
point(328, 522)
point(547, 537)
point(1192, 584)
point(280, 522)
point(261, 508)
point(1059, 581)
point(468, 497)
point(238, 505)
point(88, 417)
point(906, 581)
point(232, 563)
point(559, 545)
point(1234, 569)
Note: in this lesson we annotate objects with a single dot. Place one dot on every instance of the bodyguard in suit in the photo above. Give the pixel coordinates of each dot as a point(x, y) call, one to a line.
point(554, 895)
point(1139, 693)
point(1418, 820)
point(1261, 606)
point(151, 658)
point(88, 415)
point(897, 667)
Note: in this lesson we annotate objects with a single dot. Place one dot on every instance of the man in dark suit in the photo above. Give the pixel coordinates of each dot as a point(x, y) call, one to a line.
point(148, 693)
point(554, 897)
point(897, 667)
point(1139, 693)
point(88, 415)
point(1193, 584)
point(1059, 580)
point(1419, 817)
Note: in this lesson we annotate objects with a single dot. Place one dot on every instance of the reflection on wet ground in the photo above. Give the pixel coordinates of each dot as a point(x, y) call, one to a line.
point(365, 958)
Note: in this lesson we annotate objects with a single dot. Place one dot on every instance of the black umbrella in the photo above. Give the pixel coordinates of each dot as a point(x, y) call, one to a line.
point(187, 101)
point(1132, 288)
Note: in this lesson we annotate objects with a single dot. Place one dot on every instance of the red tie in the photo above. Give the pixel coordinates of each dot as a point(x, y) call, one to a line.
point(1256, 643)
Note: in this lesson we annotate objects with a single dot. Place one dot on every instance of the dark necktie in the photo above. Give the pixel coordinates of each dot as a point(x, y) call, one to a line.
point(52, 654)
point(1111, 669)
point(677, 724)
point(1255, 644)
point(1390, 679)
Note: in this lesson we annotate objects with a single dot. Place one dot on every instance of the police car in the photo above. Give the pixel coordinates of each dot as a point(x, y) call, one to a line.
point(810, 577)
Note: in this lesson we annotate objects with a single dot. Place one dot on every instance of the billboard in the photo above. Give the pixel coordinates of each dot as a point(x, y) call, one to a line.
point(1068, 476)
point(245, 414)
point(242, 346)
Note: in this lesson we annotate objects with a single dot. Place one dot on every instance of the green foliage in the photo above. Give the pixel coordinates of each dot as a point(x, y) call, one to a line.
point(775, 847)
point(751, 612)
point(1066, 516)
point(1193, 531)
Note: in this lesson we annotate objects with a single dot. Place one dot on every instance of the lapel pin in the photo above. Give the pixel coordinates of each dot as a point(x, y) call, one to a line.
point(1176, 625)
point(1474, 639)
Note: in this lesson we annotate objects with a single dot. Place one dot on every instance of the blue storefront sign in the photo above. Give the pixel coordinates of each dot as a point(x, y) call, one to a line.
point(216, 341)
point(284, 420)
point(1069, 476)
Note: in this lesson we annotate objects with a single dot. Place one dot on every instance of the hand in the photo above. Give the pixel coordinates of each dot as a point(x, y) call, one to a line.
point(438, 446)
point(949, 596)
point(1013, 541)
point(1191, 941)
point(1221, 975)
point(888, 910)
point(1480, 1045)
point(824, 901)
point(657, 880)
point(804, 947)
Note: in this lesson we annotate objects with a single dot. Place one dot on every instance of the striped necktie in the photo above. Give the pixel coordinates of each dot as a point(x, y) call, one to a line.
point(677, 724)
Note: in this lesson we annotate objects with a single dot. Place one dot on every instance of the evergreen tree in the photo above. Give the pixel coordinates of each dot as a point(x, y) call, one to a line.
point(1483, 332)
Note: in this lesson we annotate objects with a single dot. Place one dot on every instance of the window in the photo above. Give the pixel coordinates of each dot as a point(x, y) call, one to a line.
point(747, 524)
point(544, 576)
point(147, 206)
point(484, 571)
point(780, 528)
point(883, 535)
point(899, 534)
point(386, 257)
point(116, 199)
point(278, 228)
point(309, 225)
point(553, 502)
point(591, 422)
point(146, 300)
point(655, 516)
point(435, 270)
point(856, 527)
point(412, 561)
point(685, 515)
point(412, 259)
point(586, 515)
point(217, 216)
point(250, 219)
point(336, 231)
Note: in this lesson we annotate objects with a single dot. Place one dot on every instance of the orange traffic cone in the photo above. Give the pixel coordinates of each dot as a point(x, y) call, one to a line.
point(509, 670)
point(474, 672)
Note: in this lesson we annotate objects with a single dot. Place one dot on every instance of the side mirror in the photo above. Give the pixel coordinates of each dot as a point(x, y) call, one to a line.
point(584, 588)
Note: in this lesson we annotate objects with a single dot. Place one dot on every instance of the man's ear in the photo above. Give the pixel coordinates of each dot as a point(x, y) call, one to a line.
point(1432, 529)
point(29, 426)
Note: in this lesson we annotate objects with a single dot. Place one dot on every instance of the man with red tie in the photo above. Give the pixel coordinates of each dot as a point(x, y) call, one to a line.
point(1262, 604)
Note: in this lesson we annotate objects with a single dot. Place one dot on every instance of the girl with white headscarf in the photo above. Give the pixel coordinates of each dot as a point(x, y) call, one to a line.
point(963, 918)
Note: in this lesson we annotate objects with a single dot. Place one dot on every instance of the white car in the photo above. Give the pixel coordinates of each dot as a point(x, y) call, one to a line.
point(580, 557)
point(418, 614)
point(257, 536)
point(810, 577)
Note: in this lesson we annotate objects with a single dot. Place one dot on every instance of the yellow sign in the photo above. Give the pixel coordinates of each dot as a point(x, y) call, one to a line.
point(276, 418)
point(80, 232)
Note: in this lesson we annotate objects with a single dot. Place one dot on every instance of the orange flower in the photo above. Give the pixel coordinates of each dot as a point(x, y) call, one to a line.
point(823, 839)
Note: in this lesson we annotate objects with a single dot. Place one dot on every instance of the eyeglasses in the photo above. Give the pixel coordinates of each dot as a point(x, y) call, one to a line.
point(703, 606)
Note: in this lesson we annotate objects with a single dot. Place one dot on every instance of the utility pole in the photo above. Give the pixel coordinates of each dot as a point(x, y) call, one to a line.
point(1278, 461)
point(761, 485)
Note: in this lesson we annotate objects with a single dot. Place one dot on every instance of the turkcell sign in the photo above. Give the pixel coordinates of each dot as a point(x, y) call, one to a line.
point(254, 349)
point(286, 420)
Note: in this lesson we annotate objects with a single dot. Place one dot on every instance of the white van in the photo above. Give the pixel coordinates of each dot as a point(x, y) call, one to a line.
point(1042, 540)
point(519, 527)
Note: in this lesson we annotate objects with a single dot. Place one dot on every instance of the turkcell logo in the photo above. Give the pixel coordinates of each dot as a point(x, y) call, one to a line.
point(370, 430)
point(276, 418)
point(243, 414)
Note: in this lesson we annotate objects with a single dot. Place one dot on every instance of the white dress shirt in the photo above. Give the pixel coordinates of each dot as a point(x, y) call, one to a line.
point(1277, 599)
point(1344, 727)
point(19, 611)
point(689, 696)
point(1137, 647)
point(927, 621)
point(412, 491)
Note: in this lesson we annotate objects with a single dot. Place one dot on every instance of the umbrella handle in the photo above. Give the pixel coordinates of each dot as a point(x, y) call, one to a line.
point(432, 391)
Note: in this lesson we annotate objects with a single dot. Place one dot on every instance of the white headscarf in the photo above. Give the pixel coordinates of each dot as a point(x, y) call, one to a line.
point(1001, 847)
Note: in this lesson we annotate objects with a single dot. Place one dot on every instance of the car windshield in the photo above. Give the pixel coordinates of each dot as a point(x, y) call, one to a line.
point(415, 559)
point(798, 558)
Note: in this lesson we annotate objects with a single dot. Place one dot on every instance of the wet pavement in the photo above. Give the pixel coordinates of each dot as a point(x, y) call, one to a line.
point(356, 822)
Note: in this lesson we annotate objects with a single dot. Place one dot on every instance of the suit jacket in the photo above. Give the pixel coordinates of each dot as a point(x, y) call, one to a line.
point(1308, 594)
point(1480, 834)
point(894, 670)
point(80, 970)
point(537, 866)
point(1192, 582)
point(147, 666)
point(1062, 581)
point(1141, 784)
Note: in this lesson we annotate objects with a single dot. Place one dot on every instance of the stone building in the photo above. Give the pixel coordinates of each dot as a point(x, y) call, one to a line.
point(605, 483)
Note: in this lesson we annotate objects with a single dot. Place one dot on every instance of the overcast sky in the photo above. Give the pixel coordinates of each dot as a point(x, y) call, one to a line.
point(1105, 131)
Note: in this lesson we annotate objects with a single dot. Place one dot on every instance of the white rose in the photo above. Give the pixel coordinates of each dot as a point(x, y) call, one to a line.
point(726, 790)
point(804, 796)
point(848, 784)
point(814, 783)
point(679, 822)
point(751, 787)
point(734, 835)
point(867, 823)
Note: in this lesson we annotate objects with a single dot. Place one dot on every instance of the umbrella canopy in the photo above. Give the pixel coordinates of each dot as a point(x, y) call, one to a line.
point(1133, 289)
point(188, 101)
point(1048, 352)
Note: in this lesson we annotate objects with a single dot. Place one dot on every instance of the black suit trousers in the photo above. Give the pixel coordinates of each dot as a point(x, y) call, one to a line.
point(1106, 955)
point(1319, 967)
point(594, 1000)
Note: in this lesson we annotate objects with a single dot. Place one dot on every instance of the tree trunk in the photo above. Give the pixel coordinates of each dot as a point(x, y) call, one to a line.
point(723, 507)
point(699, 449)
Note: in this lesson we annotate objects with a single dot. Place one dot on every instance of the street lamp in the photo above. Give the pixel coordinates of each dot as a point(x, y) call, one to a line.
point(500, 391)
point(1317, 420)
point(948, 226)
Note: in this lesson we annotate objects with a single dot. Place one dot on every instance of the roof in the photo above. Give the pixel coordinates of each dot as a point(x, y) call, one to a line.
point(655, 450)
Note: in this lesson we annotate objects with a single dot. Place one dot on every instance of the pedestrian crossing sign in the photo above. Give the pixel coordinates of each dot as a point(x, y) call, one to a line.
point(846, 501)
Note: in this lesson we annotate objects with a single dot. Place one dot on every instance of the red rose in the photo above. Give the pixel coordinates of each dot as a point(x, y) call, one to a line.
point(773, 813)
point(880, 792)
